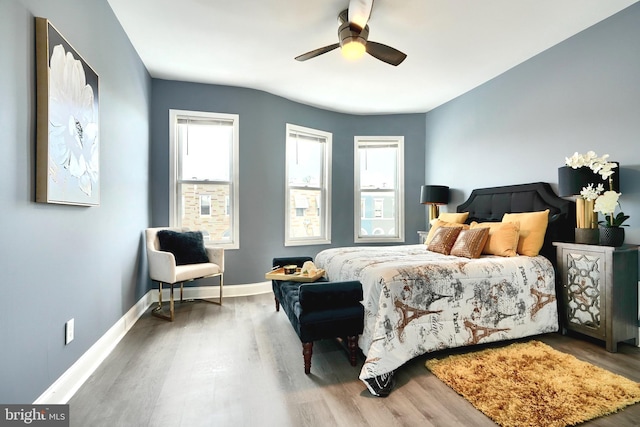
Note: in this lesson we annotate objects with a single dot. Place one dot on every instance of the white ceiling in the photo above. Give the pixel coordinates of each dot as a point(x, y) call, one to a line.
point(452, 46)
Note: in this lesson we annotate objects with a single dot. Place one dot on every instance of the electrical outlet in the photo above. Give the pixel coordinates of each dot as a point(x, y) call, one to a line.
point(68, 336)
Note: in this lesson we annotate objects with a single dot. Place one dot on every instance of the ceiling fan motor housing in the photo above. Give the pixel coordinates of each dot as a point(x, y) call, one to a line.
point(347, 34)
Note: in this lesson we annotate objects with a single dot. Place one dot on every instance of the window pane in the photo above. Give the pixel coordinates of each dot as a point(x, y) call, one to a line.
point(305, 166)
point(214, 218)
point(304, 218)
point(205, 151)
point(378, 213)
point(378, 167)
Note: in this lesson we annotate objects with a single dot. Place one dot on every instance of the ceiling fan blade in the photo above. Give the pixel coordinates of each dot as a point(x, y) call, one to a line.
point(385, 53)
point(360, 12)
point(317, 52)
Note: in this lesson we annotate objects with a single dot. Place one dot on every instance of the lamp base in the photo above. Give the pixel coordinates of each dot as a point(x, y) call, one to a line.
point(434, 211)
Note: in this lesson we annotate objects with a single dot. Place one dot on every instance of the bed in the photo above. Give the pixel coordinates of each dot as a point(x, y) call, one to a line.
point(417, 301)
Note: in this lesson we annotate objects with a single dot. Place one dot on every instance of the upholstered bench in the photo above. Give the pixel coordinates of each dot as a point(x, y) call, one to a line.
point(320, 310)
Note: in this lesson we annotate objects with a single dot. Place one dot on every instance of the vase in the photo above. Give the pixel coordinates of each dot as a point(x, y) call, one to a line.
point(611, 236)
point(587, 236)
point(585, 216)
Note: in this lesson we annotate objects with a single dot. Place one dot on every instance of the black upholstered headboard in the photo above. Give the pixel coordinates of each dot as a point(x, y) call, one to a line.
point(490, 204)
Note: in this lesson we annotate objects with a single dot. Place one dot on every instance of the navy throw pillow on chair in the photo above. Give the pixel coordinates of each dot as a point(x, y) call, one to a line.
point(186, 246)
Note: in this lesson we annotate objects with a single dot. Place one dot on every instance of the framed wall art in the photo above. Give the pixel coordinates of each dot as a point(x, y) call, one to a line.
point(67, 122)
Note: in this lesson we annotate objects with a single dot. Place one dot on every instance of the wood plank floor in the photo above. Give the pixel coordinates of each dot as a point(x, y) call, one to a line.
point(241, 364)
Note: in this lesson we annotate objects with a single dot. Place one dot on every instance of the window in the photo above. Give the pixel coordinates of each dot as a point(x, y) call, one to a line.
point(308, 186)
point(377, 208)
point(379, 189)
point(204, 174)
point(205, 205)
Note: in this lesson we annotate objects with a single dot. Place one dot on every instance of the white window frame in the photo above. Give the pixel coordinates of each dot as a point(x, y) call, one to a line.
point(325, 189)
point(398, 190)
point(174, 197)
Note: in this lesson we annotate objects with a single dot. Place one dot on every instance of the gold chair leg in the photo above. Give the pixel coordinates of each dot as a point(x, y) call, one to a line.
point(221, 285)
point(158, 310)
point(171, 307)
point(213, 301)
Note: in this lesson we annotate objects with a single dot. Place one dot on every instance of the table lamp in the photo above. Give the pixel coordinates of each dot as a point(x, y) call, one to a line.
point(434, 196)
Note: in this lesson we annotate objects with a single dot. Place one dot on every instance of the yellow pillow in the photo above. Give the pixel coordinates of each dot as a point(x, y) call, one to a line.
point(459, 218)
point(437, 223)
point(503, 237)
point(533, 226)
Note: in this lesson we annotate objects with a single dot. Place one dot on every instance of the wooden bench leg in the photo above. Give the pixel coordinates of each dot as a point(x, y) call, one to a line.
point(277, 303)
point(353, 349)
point(307, 350)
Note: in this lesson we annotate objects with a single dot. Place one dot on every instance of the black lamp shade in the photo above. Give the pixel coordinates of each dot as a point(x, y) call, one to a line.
point(572, 181)
point(434, 195)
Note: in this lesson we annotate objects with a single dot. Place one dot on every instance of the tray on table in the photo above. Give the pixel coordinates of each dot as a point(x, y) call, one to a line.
point(278, 274)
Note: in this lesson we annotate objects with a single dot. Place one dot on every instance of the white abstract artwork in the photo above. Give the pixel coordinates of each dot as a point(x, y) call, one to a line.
point(68, 137)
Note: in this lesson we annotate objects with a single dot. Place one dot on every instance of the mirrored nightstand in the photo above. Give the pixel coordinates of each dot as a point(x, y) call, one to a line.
point(600, 291)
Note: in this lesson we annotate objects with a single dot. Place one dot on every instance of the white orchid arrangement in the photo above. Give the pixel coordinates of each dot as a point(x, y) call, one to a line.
point(598, 165)
point(605, 201)
point(590, 192)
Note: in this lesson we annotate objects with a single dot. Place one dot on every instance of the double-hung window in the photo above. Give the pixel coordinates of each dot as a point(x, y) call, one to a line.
point(204, 175)
point(379, 189)
point(308, 186)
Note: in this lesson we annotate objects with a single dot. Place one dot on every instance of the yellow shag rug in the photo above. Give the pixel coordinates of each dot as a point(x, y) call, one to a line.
point(531, 384)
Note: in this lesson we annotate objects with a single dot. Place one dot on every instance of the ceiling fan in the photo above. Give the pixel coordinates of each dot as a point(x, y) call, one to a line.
point(352, 36)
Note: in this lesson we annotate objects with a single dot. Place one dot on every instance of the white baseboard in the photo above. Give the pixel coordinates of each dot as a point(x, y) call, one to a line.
point(70, 381)
point(61, 391)
point(198, 292)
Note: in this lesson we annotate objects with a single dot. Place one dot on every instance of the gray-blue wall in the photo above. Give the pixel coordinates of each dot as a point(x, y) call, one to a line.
point(580, 95)
point(62, 262)
point(262, 155)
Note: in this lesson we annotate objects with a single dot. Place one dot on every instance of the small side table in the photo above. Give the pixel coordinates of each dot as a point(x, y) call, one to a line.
point(422, 236)
point(600, 291)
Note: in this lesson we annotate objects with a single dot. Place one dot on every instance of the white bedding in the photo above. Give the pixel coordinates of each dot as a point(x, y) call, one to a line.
point(417, 301)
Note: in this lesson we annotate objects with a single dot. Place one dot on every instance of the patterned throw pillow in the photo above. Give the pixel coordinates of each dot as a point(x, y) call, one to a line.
point(437, 223)
point(443, 239)
point(470, 243)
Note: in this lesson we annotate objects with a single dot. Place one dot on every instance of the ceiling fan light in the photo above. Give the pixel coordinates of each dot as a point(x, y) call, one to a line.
point(353, 49)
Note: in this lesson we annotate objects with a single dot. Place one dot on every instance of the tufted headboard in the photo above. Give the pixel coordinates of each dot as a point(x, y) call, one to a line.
point(490, 204)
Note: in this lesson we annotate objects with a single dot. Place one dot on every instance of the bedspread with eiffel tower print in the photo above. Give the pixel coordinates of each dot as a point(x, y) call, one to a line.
point(417, 301)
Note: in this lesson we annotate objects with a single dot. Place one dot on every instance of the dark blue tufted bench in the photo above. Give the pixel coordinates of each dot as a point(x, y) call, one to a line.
point(320, 310)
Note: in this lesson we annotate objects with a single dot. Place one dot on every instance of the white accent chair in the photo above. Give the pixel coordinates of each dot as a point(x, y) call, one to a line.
point(163, 269)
